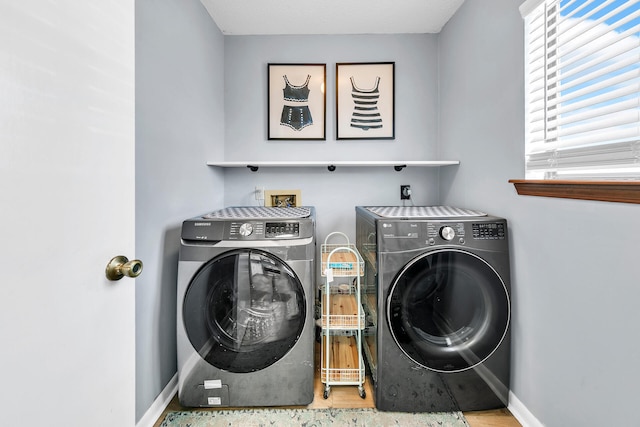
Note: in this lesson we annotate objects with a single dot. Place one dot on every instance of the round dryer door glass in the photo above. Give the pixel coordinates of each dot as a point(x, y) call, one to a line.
point(244, 310)
point(448, 310)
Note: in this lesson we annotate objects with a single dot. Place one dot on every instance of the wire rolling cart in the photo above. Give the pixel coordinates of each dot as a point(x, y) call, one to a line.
point(342, 317)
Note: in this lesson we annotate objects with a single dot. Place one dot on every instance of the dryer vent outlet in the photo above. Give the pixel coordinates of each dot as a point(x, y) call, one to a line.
point(405, 192)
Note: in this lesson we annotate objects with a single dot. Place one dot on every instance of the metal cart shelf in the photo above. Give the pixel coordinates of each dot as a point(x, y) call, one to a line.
point(342, 319)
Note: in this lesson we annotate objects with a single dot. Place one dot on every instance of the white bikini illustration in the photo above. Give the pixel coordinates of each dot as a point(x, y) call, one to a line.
point(295, 112)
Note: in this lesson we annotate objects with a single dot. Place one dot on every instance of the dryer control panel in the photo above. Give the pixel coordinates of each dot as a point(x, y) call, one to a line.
point(411, 234)
point(488, 231)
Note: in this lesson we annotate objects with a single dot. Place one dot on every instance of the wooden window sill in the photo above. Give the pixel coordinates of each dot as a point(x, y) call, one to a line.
point(607, 191)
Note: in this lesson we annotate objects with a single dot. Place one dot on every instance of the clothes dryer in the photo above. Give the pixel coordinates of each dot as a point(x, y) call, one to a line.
point(245, 326)
point(437, 286)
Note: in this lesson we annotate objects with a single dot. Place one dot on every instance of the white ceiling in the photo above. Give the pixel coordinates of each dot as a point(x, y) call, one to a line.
point(254, 17)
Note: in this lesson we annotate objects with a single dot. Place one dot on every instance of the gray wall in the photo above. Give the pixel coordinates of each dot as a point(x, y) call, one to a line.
point(333, 193)
point(179, 124)
point(574, 263)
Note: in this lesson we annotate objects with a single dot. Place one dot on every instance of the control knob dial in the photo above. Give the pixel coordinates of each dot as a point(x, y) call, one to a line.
point(246, 229)
point(447, 233)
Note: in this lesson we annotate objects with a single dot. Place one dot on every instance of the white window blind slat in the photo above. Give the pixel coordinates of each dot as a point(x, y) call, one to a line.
point(601, 136)
point(606, 90)
point(610, 161)
point(620, 135)
point(629, 106)
point(579, 31)
point(582, 88)
point(529, 8)
point(599, 46)
point(614, 95)
point(573, 27)
point(609, 121)
point(600, 67)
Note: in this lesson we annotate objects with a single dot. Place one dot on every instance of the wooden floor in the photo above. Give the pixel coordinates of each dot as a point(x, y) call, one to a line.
point(348, 397)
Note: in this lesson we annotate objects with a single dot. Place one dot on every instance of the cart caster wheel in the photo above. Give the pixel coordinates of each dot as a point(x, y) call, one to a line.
point(363, 394)
point(325, 394)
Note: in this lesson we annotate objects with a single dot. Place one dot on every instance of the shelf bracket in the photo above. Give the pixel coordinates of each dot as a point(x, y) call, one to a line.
point(253, 168)
point(398, 168)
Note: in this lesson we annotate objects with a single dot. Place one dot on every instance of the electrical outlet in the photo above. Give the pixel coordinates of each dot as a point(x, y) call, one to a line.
point(405, 192)
point(259, 192)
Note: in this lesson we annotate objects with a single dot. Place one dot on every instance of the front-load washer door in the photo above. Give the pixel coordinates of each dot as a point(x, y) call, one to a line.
point(244, 310)
point(448, 310)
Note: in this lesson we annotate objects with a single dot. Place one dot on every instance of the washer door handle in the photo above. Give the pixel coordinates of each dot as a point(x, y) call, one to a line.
point(120, 266)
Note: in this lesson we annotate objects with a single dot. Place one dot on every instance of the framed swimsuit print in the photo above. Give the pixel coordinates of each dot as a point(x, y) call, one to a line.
point(296, 101)
point(365, 100)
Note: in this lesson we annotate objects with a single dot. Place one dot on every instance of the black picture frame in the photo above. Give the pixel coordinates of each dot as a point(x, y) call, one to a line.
point(296, 101)
point(365, 100)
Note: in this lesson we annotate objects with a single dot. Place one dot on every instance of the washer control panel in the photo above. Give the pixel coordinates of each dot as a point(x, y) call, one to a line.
point(282, 229)
point(245, 227)
point(256, 230)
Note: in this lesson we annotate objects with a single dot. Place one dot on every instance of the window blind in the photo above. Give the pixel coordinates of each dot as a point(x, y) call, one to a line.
point(582, 89)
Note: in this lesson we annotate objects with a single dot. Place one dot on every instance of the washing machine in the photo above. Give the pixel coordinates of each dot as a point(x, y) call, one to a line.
point(245, 295)
point(437, 298)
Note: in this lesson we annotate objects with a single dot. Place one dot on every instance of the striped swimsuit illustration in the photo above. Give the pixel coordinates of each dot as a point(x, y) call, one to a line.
point(365, 111)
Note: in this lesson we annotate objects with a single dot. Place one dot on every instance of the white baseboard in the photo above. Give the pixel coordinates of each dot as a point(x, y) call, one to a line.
point(521, 413)
point(160, 404)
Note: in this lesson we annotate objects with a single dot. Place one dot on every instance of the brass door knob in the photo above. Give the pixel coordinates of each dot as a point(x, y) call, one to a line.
point(120, 266)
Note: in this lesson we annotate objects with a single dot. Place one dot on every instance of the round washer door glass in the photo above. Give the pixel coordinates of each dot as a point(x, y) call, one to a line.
point(244, 310)
point(448, 310)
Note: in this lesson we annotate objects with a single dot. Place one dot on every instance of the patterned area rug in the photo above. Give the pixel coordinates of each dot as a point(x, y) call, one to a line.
point(333, 417)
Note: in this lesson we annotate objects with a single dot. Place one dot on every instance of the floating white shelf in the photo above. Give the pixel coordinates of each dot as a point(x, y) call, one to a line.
point(332, 165)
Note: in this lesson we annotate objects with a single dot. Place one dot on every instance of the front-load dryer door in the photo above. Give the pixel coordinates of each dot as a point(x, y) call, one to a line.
point(448, 310)
point(244, 310)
